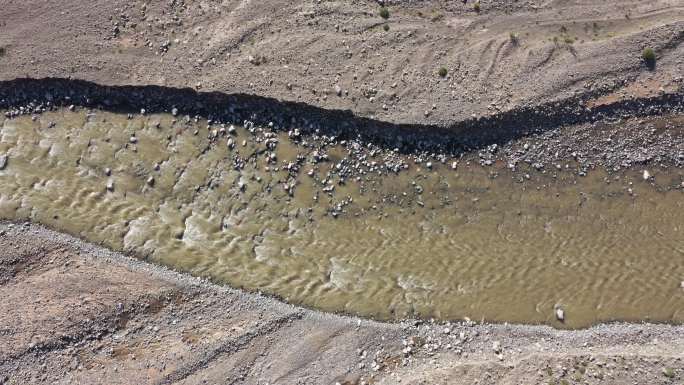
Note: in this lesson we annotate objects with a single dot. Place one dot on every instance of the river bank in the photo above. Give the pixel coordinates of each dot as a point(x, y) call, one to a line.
point(337, 55)
point(77, 313)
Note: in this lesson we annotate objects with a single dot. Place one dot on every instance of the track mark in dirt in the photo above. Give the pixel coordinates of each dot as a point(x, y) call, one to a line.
point(493, 62)
point(321, 343)
point(24, 262)
point(230, 346)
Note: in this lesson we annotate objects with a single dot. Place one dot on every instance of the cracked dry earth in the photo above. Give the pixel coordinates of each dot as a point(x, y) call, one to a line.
point(75, 313)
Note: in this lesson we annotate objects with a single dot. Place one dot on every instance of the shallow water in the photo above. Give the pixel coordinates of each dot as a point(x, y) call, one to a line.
point(477, 242)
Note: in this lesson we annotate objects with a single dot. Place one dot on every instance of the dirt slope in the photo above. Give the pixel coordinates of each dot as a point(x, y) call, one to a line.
point(76, 313)
point(337, 54)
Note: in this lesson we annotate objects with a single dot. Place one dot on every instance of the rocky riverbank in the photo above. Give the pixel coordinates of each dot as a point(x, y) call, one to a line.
point(615, 135)
point(76, 313)
point(344, 55)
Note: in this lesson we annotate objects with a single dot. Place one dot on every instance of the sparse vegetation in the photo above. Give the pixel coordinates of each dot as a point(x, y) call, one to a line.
point(668, 372)
point(515, 39)
point(436, 16)
point(476, 6)
point(386, 27)
point(569, 40)
point(649, 55)
point(384, 13)
point(442, 71)
point(3, 51)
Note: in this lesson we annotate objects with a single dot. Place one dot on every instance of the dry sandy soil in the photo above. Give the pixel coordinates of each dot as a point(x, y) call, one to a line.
point(75, 313)
point(337, 54)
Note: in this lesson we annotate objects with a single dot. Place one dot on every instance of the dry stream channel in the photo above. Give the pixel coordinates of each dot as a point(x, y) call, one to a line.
point(271, 214)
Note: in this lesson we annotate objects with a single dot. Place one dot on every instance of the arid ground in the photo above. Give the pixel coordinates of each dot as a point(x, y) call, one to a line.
point(336, 54)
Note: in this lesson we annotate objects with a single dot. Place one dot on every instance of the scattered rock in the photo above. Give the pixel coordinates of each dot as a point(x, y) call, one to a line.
point(3, 161)
point(560, 314)
point(256, 59)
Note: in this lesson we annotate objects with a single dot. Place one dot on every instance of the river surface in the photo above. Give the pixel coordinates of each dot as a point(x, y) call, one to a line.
point(476, 242)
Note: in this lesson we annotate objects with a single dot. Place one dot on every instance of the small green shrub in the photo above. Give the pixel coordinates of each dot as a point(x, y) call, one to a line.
point(668, 372)
point(3, 51)
point(384, 13)
point(442, 71)
point(385, 27)
point(648, 55)
point(476, 6)
point(437, 16)
point(514, 37)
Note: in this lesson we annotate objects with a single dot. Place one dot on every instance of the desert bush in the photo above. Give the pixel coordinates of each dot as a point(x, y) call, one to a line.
point(648, 55)
point(669, 373)
point(384, 13)
point(514, 37)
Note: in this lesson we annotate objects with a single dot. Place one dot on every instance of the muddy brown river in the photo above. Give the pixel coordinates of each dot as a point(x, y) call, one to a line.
point(476, 242)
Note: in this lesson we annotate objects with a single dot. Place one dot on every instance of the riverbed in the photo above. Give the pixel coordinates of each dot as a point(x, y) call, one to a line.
point(272, 212)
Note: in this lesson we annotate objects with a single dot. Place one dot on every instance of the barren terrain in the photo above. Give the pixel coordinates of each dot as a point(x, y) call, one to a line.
point(338, 55)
